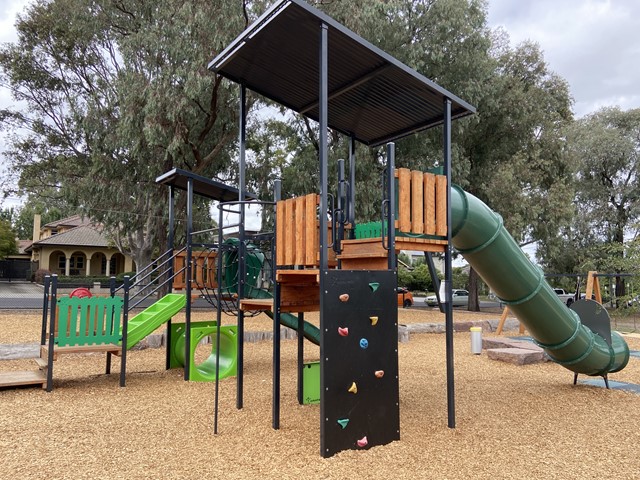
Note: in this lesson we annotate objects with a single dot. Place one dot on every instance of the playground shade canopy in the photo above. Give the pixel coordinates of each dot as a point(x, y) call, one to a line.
point(203, 186)
point(372, 97)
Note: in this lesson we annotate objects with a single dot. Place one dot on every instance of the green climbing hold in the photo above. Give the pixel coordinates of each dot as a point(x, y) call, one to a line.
point(374, 286)
point(343, 422)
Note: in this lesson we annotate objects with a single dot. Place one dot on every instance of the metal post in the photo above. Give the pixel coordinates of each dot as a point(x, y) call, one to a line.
point(275, 405)
point(45, 310)
point(351, 214)
point(391, 195)
point(170, 241)
point(451, 407)
point(52, 327)
point(189, 276)
point(323, 120)
point(341, 208)
point(125, 328)
point(300, 356)
point(242, 140)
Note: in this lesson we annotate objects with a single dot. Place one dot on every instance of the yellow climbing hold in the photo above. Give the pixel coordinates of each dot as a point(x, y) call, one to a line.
point(353, 388)
point(374, 320)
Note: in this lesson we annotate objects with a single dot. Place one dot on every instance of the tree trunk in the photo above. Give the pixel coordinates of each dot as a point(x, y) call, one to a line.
point(474, 303)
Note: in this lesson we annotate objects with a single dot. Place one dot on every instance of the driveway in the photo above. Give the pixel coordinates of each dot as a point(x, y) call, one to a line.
point(20, 294)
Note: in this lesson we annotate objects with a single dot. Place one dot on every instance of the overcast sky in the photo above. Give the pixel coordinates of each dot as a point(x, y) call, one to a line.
point(593, 44)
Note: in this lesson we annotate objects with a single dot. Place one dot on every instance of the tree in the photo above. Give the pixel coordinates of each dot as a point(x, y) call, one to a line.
point(7, 240)
point(605, 146)
point(118, 93)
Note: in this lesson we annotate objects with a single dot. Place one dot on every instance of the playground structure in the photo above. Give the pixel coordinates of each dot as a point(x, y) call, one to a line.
point(320, 259)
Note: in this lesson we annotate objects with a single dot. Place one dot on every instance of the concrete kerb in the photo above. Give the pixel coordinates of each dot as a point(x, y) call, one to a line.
point(158, 340)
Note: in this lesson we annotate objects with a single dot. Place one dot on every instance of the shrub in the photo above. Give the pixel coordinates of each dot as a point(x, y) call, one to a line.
point(38, 277)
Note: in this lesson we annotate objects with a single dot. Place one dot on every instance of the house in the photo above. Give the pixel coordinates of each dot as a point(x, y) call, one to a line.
point(76, 246)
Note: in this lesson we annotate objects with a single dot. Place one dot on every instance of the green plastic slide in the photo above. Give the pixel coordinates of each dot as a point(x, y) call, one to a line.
point(478, 233)
point(153, 317)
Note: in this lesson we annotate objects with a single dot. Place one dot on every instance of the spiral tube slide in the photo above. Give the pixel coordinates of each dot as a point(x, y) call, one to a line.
point(479, 235)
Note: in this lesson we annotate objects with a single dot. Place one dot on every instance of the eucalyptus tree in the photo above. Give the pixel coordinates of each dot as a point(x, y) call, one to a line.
point(116, 93)
point(605, 146)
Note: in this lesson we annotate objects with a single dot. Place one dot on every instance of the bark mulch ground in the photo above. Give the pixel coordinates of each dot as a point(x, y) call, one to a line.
point(511, 421)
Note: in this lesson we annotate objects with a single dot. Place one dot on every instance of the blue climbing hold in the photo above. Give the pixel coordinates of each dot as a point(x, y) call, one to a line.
point(364, 343)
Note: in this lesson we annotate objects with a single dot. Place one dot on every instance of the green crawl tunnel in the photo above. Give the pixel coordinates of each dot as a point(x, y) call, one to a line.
point(205, 371)
point(479, 235)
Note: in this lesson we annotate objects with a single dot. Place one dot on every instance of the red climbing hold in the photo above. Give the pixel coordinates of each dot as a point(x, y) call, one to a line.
point(363, 442)
point(343, 332)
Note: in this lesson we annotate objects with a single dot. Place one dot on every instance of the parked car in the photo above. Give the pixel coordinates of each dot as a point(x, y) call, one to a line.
point(405, 298)
point(459, 298)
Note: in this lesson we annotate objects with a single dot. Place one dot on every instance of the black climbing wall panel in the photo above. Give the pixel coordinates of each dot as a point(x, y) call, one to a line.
point(359, 360)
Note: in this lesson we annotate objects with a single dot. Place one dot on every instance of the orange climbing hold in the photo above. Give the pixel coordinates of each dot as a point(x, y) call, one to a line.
point(344, 297)
point(353, 388)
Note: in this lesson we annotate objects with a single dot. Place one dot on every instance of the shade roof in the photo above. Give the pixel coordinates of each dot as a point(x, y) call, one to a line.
point(202, 186)
point(372, 96)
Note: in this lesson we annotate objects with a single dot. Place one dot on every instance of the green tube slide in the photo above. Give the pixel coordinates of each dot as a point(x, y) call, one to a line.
point(479, 235)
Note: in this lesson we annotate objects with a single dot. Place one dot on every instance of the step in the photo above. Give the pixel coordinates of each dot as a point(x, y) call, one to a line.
point(298, 277)
point(516, 356)
point(42, 363)
point(25, 377)
point(110, 347)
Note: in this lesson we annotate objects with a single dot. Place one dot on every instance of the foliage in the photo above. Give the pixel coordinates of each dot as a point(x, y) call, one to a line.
point(118, 93)
point(39, 275)
point(8, 244)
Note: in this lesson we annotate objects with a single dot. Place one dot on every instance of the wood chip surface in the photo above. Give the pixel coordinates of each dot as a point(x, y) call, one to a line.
point(520, 422)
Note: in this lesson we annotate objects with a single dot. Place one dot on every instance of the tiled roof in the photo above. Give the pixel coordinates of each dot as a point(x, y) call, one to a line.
point(82, 236)
point(23, 245)
point(72, 221)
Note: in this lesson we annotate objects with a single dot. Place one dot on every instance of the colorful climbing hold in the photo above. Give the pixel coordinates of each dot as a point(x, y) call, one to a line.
point(343, 422)
point(364, 343)
point(343, 331)
point(344, 297)
point(363, 442)
point(374, 286)
point(374, 321)
point(379, 373)
point(353, 388)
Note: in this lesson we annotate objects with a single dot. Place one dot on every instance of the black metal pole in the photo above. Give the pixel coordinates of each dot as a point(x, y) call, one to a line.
point(45, 310)
point(241, 246)
point(351, 214)
point(52, 327)
point(189, 276)
point(125, 329)
point(300, 356)
point(451, 405)
point(434, 278)
point(275, 393)
point(219, 265)
point(391, 195)
point(323, 96)
point(170, 242)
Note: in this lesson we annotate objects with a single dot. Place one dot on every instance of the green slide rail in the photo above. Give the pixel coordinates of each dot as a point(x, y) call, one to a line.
point(153, 317)
point(479, 235)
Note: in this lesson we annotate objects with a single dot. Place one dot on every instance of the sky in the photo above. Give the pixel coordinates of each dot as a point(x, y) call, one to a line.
point(593, 44)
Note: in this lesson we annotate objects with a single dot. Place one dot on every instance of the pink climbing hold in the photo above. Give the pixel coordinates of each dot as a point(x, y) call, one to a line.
point(343, 332)
point(344, 297)
point(363, 442)
point(379, 373)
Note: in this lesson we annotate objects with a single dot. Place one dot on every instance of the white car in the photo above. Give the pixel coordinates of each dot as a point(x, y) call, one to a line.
point(459, 298)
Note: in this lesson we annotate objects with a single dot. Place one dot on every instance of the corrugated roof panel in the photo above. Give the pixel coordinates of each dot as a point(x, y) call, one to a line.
point(372, 96)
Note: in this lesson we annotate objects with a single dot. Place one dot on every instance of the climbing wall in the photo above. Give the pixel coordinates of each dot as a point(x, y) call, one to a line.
point(359, 360)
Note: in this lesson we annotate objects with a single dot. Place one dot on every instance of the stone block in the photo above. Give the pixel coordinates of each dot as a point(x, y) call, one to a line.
point(516, 356)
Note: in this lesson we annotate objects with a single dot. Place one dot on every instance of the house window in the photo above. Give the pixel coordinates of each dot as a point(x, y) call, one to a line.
point(62, 262)
point(78, 261)
point(112, 266)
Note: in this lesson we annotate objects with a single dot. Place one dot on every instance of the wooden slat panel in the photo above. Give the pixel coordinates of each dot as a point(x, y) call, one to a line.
point(441, 205)
point(404, 199)
point(289, 234)
point(429, 204)
point(280, 229)
point(299, 227)
point(417, 202)
point(312, 235)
